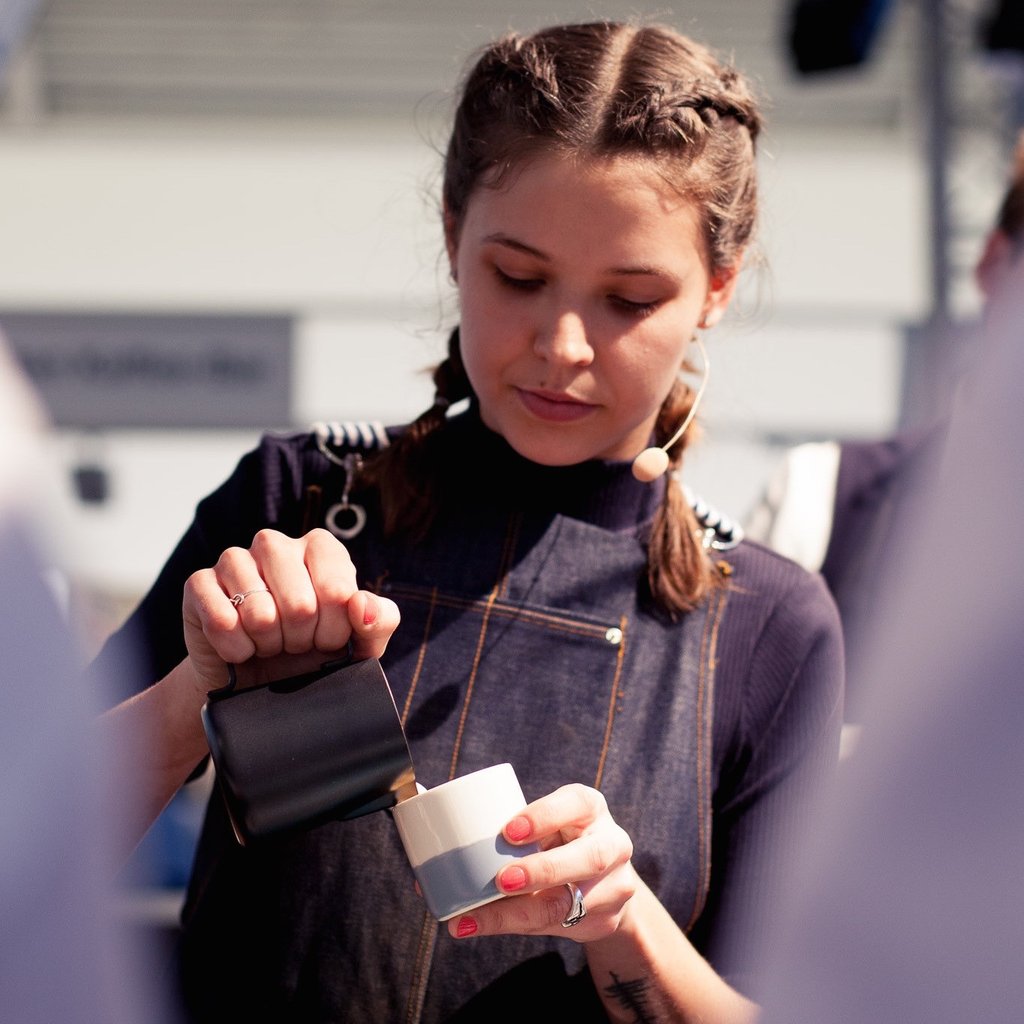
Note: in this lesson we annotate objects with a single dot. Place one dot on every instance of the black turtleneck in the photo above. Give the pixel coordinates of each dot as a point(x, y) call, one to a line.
point(481, 465)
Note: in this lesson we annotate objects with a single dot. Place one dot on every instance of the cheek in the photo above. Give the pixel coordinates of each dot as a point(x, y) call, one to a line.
point(473, 340)
point(481, 352)
point(475, 371)
point(490, 338)
point(648, 371)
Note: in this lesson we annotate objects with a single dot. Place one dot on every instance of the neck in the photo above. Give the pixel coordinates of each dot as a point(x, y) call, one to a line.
point(598, 491)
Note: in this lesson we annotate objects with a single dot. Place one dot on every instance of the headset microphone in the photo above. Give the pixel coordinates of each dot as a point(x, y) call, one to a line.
point(652, 462)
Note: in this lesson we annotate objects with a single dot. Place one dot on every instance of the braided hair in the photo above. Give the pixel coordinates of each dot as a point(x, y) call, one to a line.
point(596, 90)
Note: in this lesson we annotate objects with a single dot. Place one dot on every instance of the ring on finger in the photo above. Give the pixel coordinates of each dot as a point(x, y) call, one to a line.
point(239, 598)
point(578, 909)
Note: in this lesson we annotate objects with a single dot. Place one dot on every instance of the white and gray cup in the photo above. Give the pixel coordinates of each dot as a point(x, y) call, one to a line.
point(452, 837)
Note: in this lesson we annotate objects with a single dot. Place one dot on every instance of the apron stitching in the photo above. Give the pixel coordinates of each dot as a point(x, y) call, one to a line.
point(705, 692)
point(420, 657)
point(613, 700)
point(424, 958)
point(502, 581)
point(428, 942)
point(490, 606)
point(477, 654)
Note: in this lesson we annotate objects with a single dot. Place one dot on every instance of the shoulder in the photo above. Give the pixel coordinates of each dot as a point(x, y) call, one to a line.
point(313, 452)
point(761, 575)
point(721, 532)
point(779, 617)
point(273, 477)
point(329, 438)
point(766, 583)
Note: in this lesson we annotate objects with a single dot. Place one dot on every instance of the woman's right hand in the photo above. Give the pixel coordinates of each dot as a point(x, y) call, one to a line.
point(301, 605)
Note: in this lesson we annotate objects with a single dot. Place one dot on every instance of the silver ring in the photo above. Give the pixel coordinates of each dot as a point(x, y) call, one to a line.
point(578, 910)
point(239, 598)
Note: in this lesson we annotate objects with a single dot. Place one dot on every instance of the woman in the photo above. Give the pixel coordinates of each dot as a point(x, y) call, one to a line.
point(668, 695)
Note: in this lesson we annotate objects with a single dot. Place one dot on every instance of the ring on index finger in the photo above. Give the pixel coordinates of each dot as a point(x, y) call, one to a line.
point(578, 909)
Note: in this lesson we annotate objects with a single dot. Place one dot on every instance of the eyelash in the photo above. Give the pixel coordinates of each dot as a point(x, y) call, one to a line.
point(530, 284)
point(523, 284)
point(636, 308)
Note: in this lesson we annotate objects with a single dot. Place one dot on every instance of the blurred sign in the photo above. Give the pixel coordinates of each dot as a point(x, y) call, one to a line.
point(129, 370)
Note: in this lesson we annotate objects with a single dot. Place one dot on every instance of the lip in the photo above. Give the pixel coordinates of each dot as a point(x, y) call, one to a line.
point(554, 407)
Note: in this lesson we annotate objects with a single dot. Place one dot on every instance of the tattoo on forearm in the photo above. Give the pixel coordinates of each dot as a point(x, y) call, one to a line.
point(633, 996)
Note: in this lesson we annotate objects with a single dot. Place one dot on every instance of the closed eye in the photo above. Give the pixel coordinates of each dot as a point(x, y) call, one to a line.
point(635, 308)
point(525, 284)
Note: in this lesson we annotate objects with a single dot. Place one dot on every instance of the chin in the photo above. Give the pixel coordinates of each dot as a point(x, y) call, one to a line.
point(544, 444)
point(548, 454)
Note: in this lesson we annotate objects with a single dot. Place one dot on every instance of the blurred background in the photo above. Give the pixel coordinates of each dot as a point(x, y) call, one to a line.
point(220, 216)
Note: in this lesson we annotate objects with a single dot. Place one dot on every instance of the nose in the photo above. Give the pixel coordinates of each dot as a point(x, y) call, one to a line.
point(564, 339)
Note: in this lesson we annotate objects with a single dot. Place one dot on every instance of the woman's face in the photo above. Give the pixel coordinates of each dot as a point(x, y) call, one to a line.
point(580, 285)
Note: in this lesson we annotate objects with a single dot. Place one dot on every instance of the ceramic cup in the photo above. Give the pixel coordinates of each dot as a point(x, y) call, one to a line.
point(452, 837)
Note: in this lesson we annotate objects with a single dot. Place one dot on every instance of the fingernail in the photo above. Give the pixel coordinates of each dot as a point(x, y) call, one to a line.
point(466, 926)
point(518, 829)
point(513, 878)
point(370, 610)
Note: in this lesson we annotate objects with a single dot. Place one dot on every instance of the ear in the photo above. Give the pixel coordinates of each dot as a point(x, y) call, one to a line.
point(720, 290)
point(995, 258)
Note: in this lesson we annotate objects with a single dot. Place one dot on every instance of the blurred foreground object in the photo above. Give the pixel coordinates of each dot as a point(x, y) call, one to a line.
point(62, 956)
point(911, 906)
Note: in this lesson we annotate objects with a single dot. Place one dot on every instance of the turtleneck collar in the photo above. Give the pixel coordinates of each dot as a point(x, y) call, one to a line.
point(599, 491)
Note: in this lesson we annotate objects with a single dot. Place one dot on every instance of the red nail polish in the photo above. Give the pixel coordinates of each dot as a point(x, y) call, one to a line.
point(513, 878)
point(466, 926)
point(518, 829)
point(370, 610)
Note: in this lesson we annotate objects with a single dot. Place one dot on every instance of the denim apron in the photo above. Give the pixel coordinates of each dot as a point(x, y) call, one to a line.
point(521, 640)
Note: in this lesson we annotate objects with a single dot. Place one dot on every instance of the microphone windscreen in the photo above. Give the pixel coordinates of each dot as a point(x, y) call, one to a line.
point(650, 464)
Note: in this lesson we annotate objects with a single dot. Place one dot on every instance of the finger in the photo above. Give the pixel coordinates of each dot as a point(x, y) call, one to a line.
point(537, 913)
point(561, 815)
point(282, 563)
point(543, 870)
point(213, 633)
point(545, 912)
point(251, 596)
point(333, 577)
point(590, 857)
point(373, 619)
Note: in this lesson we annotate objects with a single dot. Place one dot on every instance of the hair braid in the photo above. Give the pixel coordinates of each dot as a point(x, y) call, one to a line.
point(679, 569)
point(406, 471)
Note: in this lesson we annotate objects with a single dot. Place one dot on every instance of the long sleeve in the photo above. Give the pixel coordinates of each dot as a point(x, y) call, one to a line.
point(779, 705)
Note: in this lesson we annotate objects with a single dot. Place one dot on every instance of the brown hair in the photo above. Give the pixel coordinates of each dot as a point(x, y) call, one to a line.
point(597, 90)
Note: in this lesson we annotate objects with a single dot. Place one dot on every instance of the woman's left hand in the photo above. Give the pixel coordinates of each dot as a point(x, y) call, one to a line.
point(581, 845)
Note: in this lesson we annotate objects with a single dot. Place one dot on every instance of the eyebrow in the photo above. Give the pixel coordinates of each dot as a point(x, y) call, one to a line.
point(641, 270)
point(498, 238)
